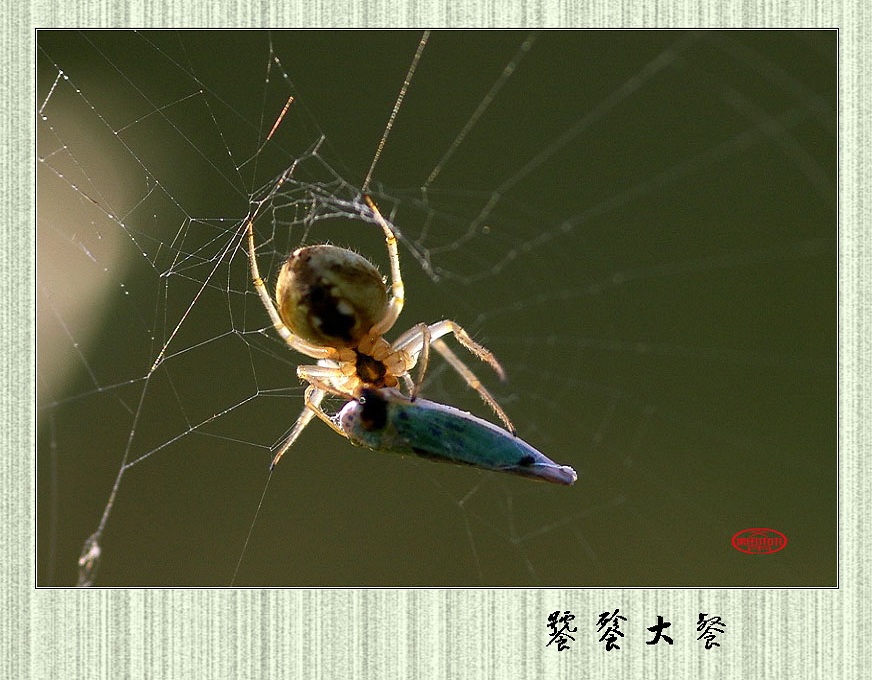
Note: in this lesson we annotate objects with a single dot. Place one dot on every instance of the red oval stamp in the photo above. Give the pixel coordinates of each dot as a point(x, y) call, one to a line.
point(759, 541)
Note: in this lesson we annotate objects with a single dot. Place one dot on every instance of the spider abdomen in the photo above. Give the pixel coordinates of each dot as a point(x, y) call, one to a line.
point(330, 296)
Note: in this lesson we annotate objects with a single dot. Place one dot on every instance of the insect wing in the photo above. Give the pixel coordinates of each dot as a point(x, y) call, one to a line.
point(388, 421)
point(446, 433)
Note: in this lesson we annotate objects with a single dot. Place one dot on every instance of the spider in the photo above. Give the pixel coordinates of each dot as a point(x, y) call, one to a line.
point(332, 305)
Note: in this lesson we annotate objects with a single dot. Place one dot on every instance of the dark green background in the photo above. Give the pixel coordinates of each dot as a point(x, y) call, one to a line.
point(661, 290)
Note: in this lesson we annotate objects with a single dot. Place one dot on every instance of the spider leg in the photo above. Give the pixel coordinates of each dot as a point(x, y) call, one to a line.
point(313, 402)
point(296, 343)
point(314, 396)
point(325, 377)
point(471, 380)
point(314, 407)
point(423, 359)
point(320, 379)
point(324, 380)
point(409, 383)
point(398, 290)
point(413, 343)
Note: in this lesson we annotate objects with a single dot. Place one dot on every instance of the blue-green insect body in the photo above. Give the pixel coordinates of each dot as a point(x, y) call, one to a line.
point(385, 420)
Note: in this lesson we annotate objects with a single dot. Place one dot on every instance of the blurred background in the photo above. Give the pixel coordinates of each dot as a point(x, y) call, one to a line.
point(640, 225)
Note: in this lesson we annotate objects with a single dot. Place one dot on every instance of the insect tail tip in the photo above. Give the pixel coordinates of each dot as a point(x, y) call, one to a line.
point(571, 475)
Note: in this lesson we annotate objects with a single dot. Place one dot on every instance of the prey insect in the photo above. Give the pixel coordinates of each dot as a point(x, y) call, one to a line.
point(386, 420)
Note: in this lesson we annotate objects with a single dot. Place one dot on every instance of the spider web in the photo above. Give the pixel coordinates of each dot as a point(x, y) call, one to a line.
point(640, 225)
